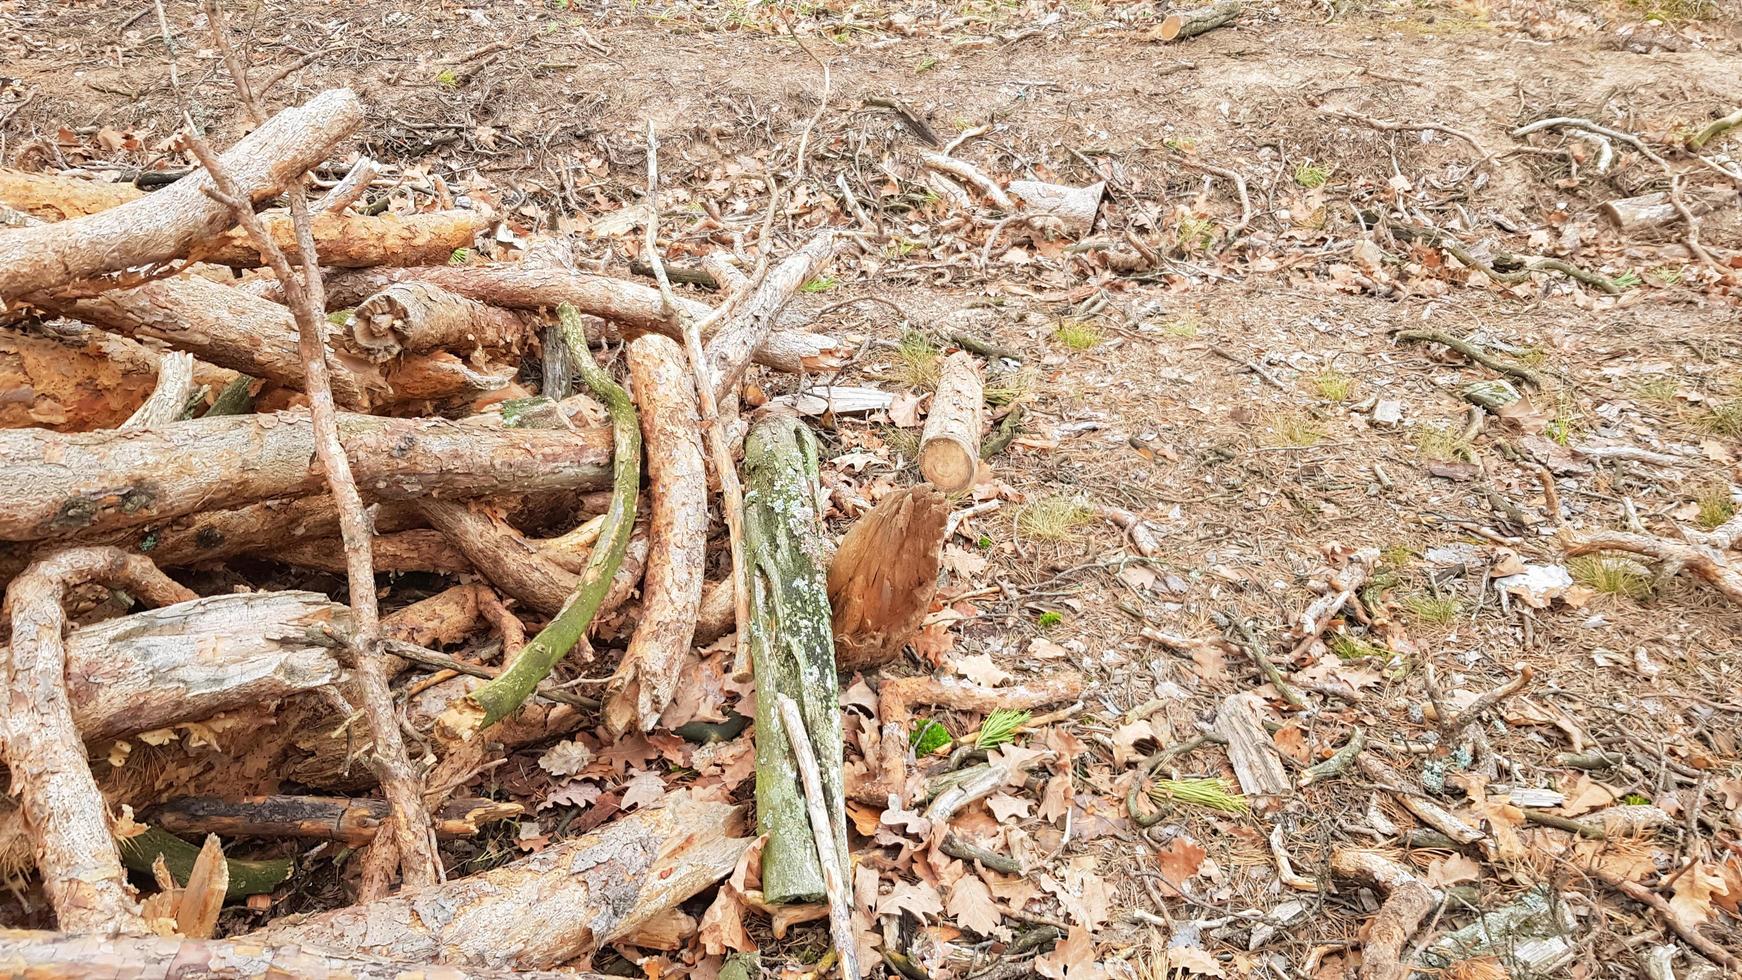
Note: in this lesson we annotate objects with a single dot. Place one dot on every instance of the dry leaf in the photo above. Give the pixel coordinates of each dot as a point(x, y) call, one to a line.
point(1004, 806)
point(1695, 891)
point(1073, 959)
point(723, 925)
point(643, 787)
point(904, 410)
point(1180, 860)
point(971, 905)
point(918, 897)
point(980, 669)
point(1055, 800)
point(1211, 663)
point(1451, 870)
point(1125, 739)
point(1195, 962)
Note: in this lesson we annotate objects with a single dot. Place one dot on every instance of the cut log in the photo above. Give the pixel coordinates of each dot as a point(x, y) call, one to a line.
point(55, 198)
point(1190, 23)
point(630, 304)
point(58, 956)
point(354, 241)
point(949, 448)
point(746, 329)
point(883, 576)
point(54, 484)
point(173, 220)
point(1257, 763)
point(355, 822)
point(545, 910)
point(1631, 215)
point(40, 744)
point(646, 679)
point(416, 316)
point(792, 648)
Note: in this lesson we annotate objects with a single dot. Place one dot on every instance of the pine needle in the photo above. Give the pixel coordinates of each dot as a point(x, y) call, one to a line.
point(1001, 726)
point(1213, 793)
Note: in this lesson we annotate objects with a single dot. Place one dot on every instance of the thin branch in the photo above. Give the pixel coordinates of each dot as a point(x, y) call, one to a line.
point(834, 878)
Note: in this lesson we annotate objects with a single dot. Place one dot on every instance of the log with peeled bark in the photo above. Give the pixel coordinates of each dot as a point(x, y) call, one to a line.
point(558, 905)
point(417, 317)
point(1179, 25)
point(512, 562)
point(52, 197)
point(646, 678)
point(883, 576)
point(793, 652)
point(172, 221)
point(949, 446)
point(57, 484)
point(353, 821)
point(60, 956)
point(630, 304)
point(40, 744)
point(746, 329)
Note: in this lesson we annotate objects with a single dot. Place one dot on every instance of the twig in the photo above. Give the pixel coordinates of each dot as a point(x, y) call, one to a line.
point(719, 445)
point(1239, 185)
point(834, 880)
point(1338, 761)
point(1255, 649)
point(1707, 563)
point(1718, 127)
point(1487, 700)
point(1252, 366)
point(430, 658)
point(1415, 127)
point(1475, 353)
point(346, 192)
point(1413, 800)
point(411, 827)
point(973, 175)
point(1285, 872)
point(1693, 225)
point(1689, 934)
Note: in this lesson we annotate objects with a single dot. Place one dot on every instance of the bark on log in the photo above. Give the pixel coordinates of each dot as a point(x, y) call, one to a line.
point(1191, 23)
point(746, 330)
point(416, 317)
point(646, 679)
point(510, 561)
point(355, 822)
point(1256, 761)
point(630, 304)
point(550, 908)
point(54, 484)
point(949, 447)
point(80, 381)
point(173, 220)
point(792, 648)
point(1408, 901)
point(422, 550)
point(40, 744)
point(55, 198)
point(1631, 215)
point(58, 956)
point(883, 576)
point(353, 241)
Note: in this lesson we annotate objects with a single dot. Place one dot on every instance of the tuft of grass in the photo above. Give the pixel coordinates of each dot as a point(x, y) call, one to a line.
point(1009, 387)
point(1000, 726)
point(924, 65)
point(904, 442)
point(1054, 518)
point(460, 256)
point(1078, 335)
point(1195, 234)
point(1047, 620)
point(1333, 385)
point(1716, 506)
point(1213, 793)
point(1437, 610)
point(1185, 326)
point(1670, 11)
point(447, 79)
point(1658, 389)
point(340, 318)
point(1311, 175)
point(1568, 421)
point(1397, 556)
point(1665, 275)
point(1627, 280)
point(1621, 577)
point(1439, 442)
point(1724, 418)
point(820, 284)
point(917, 361)
point(1348, 647)
point(1295, 429)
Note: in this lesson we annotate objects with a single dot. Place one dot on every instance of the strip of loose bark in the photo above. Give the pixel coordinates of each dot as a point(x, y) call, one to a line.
point(78, 381)
point(168, 224)
point(59, 956)
point(55, 484)
point(646, 679)
point(883, 576)
point(356, 241)
point(949, 447)
point(354, 822)
point(545, 910)
point(745, 331)
point(1256, 761)
point(1190, 23)
point(630, 304)
point(69, 820)
point(416, 317)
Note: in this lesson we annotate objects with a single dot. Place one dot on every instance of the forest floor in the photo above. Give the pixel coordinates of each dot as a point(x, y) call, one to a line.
point(1239, 389)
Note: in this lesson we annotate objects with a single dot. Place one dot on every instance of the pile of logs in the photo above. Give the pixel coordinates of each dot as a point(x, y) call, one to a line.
point(165, 413)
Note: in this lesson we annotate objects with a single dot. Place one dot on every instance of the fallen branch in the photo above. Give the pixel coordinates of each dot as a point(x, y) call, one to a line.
point(748, 325)
point(832, 858)
point(1475, 353)
point(1416, 802)
point(355, 822)
point(512, 563)
point(500, 697)
point(143, 851)
point(60, 956)
point(646, 678)
point(40, 744)
point(355, 241)
point(106, 481)
point(175, 380)
point(1408, 901)
point(1704, 562)
point(417, 317)
point(973, 175)
point(169, 223)
point(1688, 932)
point(1487, 701)
point(542, 911)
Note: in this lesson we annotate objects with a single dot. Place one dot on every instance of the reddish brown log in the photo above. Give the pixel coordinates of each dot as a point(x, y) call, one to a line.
point(634, 306)
point(511, 562)
point(72, 383)
point(40, 744)
point(354, 241)
point(646, 679)
point(173, 220)
point(55, 198)
point(57, 956)
point(552, 907)
point(354, 822)
point(54, 484)
point(882, 578)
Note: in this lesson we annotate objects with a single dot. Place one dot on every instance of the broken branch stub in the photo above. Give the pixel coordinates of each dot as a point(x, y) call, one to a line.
point(884, 575)
point(169, 223)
